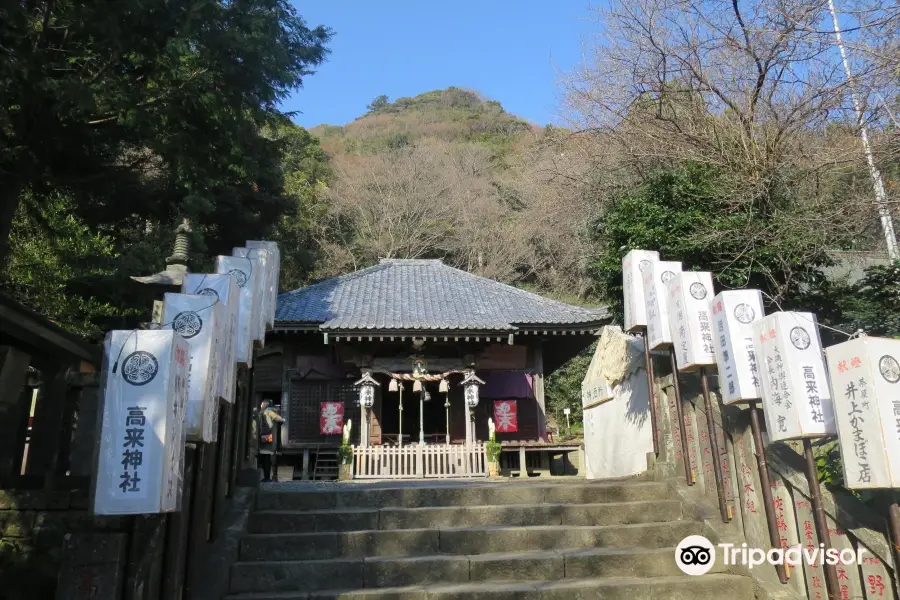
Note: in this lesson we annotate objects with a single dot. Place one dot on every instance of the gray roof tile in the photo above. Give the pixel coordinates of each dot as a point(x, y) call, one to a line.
point(427, 295)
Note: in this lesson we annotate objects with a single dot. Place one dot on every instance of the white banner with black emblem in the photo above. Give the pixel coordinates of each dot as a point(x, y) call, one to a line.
point(242, 271)
point(795, 392)
point(224, 289)
point(656, 278)
point(200, 320)
point(274, 269)
point(140, 458)
point(259, 277)
point(634, 265)
point(733, 314)
point(690, 321)
point(865, 385)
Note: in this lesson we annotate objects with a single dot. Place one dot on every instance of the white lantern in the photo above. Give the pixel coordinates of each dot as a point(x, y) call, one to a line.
point(734, 313)
point(471, 391)
point(865, 385)
point(656, 278)
point(274, 271)
point(259, 257)
point(141, 439)
point(635, 263)
point(795, 393)
point(690, 322)
point(367, 396)
point(242, 271)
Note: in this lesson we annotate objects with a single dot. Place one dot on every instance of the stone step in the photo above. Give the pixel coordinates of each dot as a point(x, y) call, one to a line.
point(383, 572)
point(609, 513)
point(289, 497)
point(681, 587)
point(469, 540)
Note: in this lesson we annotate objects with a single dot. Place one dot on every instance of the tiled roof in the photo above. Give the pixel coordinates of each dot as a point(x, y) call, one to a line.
point(407, 295)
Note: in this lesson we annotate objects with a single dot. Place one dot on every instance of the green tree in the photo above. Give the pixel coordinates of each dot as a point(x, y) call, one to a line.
point(564, 387)
point(150, 110)
point(378, 103)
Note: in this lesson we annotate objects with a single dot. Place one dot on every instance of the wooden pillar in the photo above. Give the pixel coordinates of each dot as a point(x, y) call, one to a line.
point(363, 427)
point(539, 390)
point(47, 429)
point(13, 407)
point(468, 425)
point(523, 464)
point(305, 476)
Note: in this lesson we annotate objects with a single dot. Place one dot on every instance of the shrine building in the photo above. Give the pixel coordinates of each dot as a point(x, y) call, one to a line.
point(409, 337)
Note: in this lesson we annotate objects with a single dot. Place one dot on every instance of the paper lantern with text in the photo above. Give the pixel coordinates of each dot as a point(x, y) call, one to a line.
point(734, 313)
point(634, 265)
point(140, 454)
point(656, 278)
point(865, 385)
point(242, 271)
point(224, 289)
point(690, 321)
point(795, 392)
point(200, 320)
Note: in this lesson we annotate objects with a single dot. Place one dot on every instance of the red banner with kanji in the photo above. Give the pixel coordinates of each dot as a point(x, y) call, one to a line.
point(331, 418)
point(505, 416)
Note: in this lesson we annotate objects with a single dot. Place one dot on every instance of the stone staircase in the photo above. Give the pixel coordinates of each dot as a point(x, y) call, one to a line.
point(468, 540)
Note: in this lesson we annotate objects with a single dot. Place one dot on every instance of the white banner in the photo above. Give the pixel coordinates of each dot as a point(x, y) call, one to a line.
point(690, 321)
point(200, 320)
point(224, 289)
point(242, 271)
point(259, 286)
point(634, 265)
point(795, 392)
point(734, 313)
point(141, 446)
point(865, 384)
point(655, 278)
point(274, 269)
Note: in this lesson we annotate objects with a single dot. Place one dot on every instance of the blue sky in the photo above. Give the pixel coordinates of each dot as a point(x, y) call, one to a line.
point(512, 51)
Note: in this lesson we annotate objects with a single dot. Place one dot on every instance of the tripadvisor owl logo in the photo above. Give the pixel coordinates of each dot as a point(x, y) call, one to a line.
point(695, 555)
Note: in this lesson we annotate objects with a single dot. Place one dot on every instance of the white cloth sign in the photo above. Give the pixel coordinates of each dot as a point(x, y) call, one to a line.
point(274, 269)
point(734, 313)
point(258, 285)
point(140, 466)
point(200, 320)
point(242, 271)
point(865, 385)
point(635, 263)
point(656, 278)
point(795, 393)
point(690, 322)
point(224, 289)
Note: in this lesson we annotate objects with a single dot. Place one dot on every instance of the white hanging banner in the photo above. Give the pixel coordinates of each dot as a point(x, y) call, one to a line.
point(140, 460)
point(865, 384)
point(242, 271)
point(734, 313)
point(795, 393)
point(274, 276)
point(690, 320)
point(223, 288)
point(656, 277)
point(635, 263)
point(200, 320)
point(259, 277)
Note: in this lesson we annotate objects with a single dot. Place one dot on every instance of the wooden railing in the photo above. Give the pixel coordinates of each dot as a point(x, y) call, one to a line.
point(433, 461)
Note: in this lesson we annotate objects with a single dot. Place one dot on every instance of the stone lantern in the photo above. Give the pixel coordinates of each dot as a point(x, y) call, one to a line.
point(171, 279)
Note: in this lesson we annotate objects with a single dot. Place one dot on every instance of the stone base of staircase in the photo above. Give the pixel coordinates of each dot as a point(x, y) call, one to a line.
point(570, 539)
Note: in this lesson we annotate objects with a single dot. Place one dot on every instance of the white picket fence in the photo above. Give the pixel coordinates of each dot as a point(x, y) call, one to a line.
point(414, 461)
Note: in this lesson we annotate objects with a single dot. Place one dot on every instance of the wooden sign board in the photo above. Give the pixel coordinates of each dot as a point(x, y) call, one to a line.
point(733, 314)
point(865, 384)
point(795, 392)
point(690, 321)
point(635, 263)
point(656, 278)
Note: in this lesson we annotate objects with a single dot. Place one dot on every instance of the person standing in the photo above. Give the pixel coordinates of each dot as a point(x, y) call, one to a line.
point(267, 421)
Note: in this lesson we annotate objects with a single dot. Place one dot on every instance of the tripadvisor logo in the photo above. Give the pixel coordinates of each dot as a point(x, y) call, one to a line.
point(696, 555)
